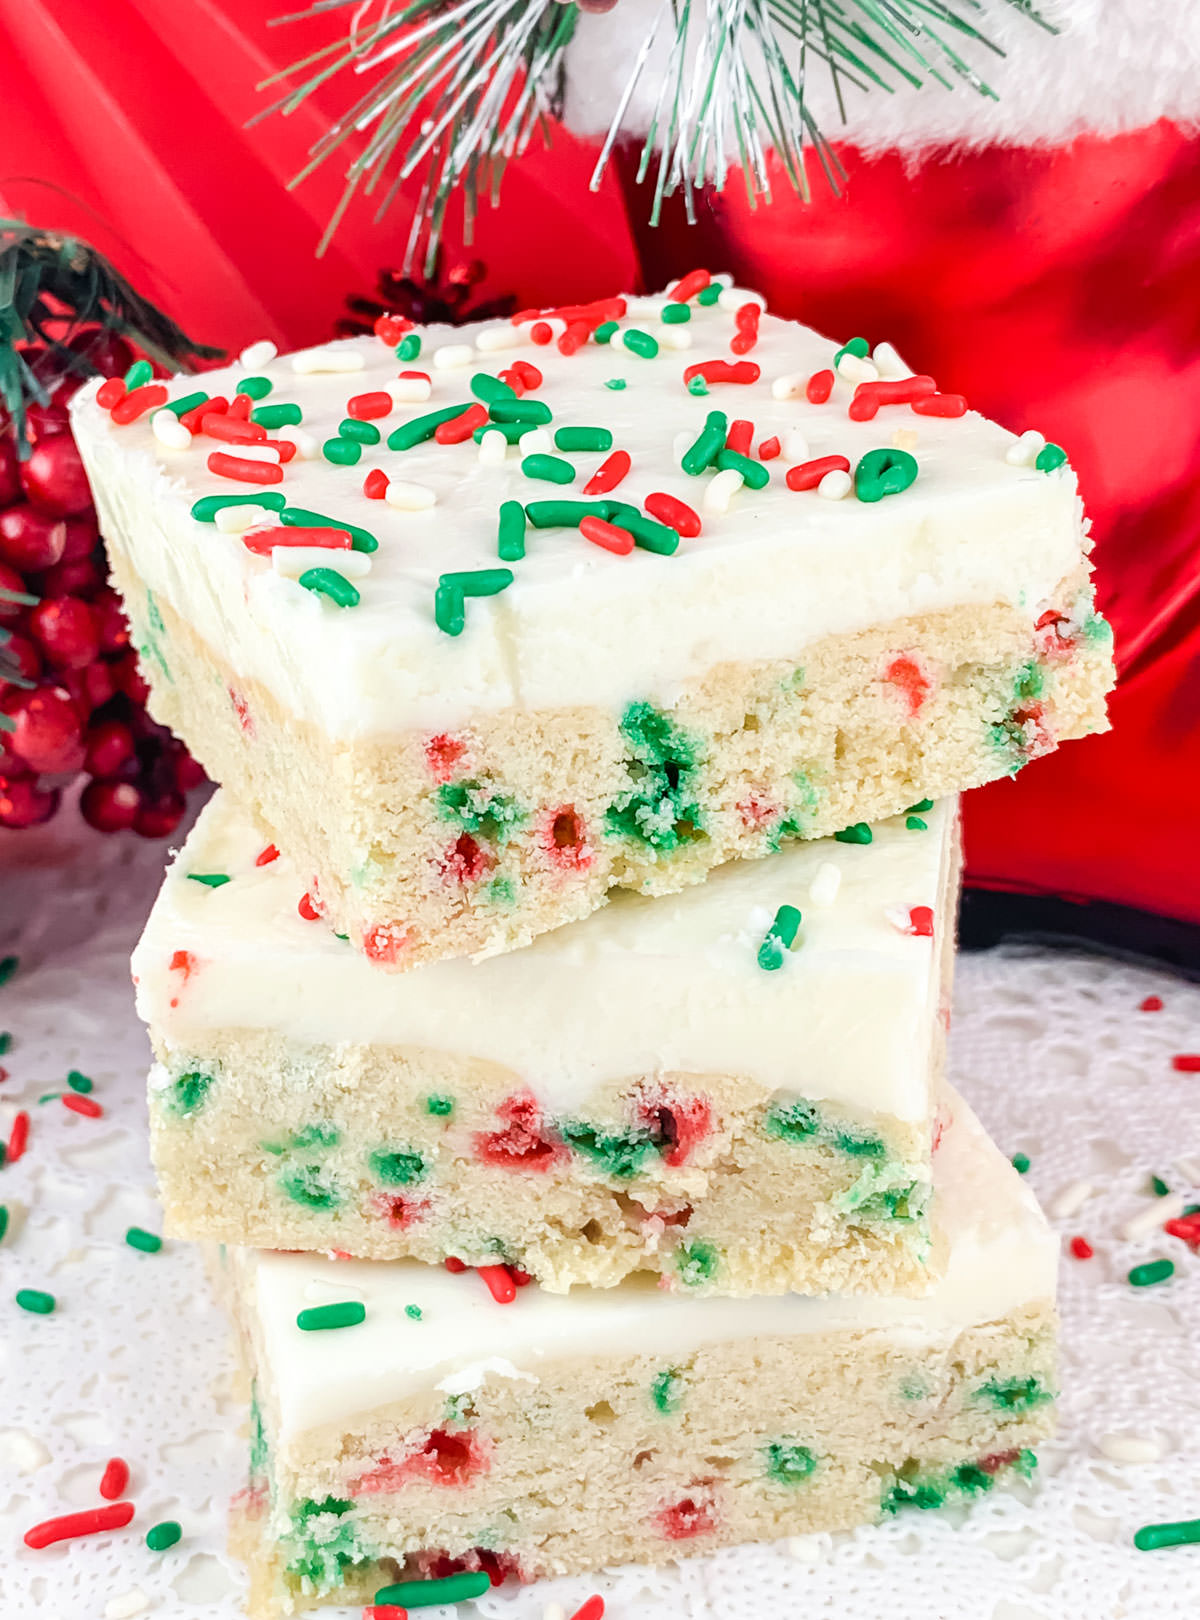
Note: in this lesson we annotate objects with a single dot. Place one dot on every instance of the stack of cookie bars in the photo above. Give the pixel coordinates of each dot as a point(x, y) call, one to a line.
point(550, 1008)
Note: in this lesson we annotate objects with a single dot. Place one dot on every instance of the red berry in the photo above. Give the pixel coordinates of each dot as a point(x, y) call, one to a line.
point(110, 806)
point(24, 804)
point(160, 817)
point(90, 687)
point(10, 472)
point(82, 535)
point(10, 580)
point(22, 652)
point(111, 623)
point(30, 539)
point(47, 731)
point(81, 576)
point(103, 350)
point(108, 746)
point(66, 629)
point(188, 772)
point(128, 676)
point(53, 478)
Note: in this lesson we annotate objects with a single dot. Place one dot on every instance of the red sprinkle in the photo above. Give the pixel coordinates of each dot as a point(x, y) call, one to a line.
point(541, 333)
point(714, 371)
point(307, 910)
point(769, 448)
point(941, 405)
point(241, 406)
point(375, 484)
point(921, 920)
point(110, 392)
point(746, 321)
point(391, 328)
point(366, 407)
point(528, 373)
point(88, 1106)
point(419, 376)
point(819, 387)
point(574, 338)
point(1186, 1227)
point(209, 407)
point(593, 1608)
point(244, 472)
point(522, 1279)
point(385, 942)
point(460, 428)
point(499, 1284)
point(114, 1479)
point(266, 856)
point(740, 436)
point(688, 286)
point(264, 541)
point(1152, 1004)
point(455, 1266)
point(1081, 1248)
point(676, 514)
point(138, 401)
point(514, 380)
point(224, 425)
point(91, 1523)
point(609, 473)
point(18, 1137)
point(808, 474)
point(1186, 1062)
point(384, 1611)
point(869, 396)
point(286, 448)
point(607, 535)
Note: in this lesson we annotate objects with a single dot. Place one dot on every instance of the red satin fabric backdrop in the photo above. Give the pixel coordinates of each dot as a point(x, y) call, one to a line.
point(1055, 289)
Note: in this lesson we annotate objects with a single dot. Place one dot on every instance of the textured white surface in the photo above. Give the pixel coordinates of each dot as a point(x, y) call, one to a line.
point(1050, 1049)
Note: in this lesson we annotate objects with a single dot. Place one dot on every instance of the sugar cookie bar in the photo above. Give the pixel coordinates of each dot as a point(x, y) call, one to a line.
point(440, 1430)
point(518, 623)
point(734, 1087)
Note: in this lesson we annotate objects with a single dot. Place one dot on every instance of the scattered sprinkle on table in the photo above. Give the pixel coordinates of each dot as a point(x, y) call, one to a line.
point(8, 966)
point(413, 1311)
point(1186, 1062)
point(1020, 1163)
point(161, 1536)
point(87, 1106)
point(1151, 1004)
point(344, 1314)
point(1081, 1249)
point(148, 1242)
point(114, 1479)
point(40, 1303)
point(79, 1082)
point(423, 1594)
point(91, 1523)
point(1151, 1537)
point(1153, 1271)
point(859, 833)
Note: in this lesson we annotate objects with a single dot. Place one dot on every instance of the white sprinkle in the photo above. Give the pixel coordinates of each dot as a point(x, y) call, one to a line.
point(734, 297)
point(1024, 452)
point(645, 309)
point(905, 439)
point(410, 390)
point(307, 447)
point(292, 561)
point(308, 362)
point(1152, 1217)
point(1072, 1199)
point(722, 489)
point(554, 1611)
point(835, 485)
point(257, 355)
point(23, 1451)
point(795, 446)
point(722, 278)
point(537, 442)
point(504, 335)
point(888, 363)
point(254, 451)
point(127, 1605)
point(674, 337)
point(493, 447)
point(169, 430)
point(827, 880)
point(408, 497)
point(237, 519)
point(809, 1549)
point(453, 356)
point(854, 368)
point(790, 386)
point(1189, 1170)
point(1130, 1448)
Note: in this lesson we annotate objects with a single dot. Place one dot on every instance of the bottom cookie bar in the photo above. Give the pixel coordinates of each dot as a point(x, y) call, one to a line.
point(440, 1430)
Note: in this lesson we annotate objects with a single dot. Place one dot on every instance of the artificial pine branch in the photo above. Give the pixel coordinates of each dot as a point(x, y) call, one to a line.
point(460, 87)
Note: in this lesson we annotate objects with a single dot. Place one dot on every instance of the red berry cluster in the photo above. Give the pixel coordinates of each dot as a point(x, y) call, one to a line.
point(84, 706)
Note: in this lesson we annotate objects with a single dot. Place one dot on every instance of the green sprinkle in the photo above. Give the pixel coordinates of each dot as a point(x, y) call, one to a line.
point(309, 1187)
point(210, 880)
point(328, 582)
point(667, 1388)
point(789, 1463)
point(489, 389)
point(705, 449)
point(423, 1594)
point(697, 385)
point(779, 938)
point(710, 294)
point(358, 432)
point(424, 427)
point(1154, 1271)
point(915, 824)
point(616, 384)
point(640, 343)
point(697, 1263)
point(33, 1299)
point(565, 514)
point(277, 416)
point(188, 1094)
point(5, 1041)
point(409, 346)
point(856, 345)
point(676, 314)
point(206, 508)
point(8, 966)
point(398, 1168)
point(413, 1312)
point(342, 452)
point(583, 438)
point(606, 331)
point(919, 808)
point(140, 372)
point(1184, 1533)
point(513, 432)
point(302, 517)
point(1020, 1163)
point(755, 474)
point(138, 1238)
point(78, 1082)
point(1191, 1209)
point(1159, 1186)
point(346, 1313)
point(551, 468)
point(1050, 457)
point(646, 532)
point(449, 610)
point(161, 1536)
point(510, 540)
point(440, 1105)
point(48, 1096)
point(859, 833)
point(3, 1221)
point(256, 387)
point(480, 581)
point(180, 407)
point(884, 472)
point(1015, 1394)
point(528, 412)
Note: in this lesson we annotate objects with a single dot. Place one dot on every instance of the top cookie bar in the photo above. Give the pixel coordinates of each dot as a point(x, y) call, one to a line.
point(533, 608)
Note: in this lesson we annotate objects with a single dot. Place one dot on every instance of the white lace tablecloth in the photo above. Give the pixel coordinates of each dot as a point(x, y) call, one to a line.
point(1052, 1051)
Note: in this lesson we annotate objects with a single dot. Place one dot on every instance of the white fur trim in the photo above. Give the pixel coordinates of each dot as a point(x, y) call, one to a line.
point(1115, 65)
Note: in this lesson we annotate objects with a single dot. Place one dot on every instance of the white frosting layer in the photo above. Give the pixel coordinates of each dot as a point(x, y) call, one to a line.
point(640, 988)
point(774, 573)
point(1003, 1257)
